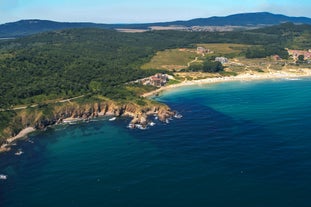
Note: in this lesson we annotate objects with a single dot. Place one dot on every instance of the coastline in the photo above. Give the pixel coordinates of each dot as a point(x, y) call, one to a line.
point(240, 77)
point(6, 147)
point(78, 113)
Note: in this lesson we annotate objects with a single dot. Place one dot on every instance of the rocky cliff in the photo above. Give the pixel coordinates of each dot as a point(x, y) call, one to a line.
point(45, 116)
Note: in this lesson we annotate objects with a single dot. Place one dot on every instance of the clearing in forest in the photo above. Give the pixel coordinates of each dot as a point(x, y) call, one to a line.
point(176, 59)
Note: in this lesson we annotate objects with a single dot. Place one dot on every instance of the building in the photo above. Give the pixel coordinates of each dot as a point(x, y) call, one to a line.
point(222, 60)
point(157, 80)
point(296, 53)
point(276, 57)
point(202, 50)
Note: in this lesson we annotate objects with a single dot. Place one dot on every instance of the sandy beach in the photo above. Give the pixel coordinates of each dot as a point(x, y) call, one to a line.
point(240, 77)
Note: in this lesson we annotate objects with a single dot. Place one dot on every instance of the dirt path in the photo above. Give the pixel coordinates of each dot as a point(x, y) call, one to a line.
point(268, 68)
point(193, 61)
point(35, 105)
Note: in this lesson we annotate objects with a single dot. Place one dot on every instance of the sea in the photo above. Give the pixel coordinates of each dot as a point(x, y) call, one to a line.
point(238, 144)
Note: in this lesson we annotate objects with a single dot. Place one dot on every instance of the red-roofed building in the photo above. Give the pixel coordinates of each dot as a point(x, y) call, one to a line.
point(276, 57)
point(296, 53)
point(155, 81)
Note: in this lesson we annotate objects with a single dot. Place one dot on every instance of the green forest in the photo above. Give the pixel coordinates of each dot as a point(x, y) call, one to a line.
point(73, 62)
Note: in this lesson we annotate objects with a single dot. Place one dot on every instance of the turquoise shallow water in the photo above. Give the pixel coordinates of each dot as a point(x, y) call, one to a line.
point(238, 144)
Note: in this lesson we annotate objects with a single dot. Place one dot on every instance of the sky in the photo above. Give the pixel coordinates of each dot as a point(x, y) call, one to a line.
point(142, 11)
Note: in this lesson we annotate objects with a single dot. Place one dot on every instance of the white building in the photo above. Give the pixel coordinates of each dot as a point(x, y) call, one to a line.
point(222, 60)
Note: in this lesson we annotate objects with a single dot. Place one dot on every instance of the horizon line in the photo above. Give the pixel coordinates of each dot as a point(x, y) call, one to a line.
point(123, 23)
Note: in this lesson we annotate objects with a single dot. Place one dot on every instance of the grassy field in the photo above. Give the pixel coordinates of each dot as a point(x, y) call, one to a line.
point(225, 49)
point(171, 59)
point(176, 59)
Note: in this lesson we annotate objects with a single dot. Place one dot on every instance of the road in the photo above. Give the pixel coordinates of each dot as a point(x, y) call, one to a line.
point(35, 105)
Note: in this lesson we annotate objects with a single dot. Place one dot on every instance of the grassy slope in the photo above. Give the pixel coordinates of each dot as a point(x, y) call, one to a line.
point(169, 59)
point(179, 58)
point(225, 48)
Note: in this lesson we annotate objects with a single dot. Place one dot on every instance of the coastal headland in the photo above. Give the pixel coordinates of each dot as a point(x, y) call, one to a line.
point(68, 112)
point(32, 119)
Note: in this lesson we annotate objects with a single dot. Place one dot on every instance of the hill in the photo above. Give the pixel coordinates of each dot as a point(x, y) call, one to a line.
point(33, 26)
point(244, 19)
point(28, 27)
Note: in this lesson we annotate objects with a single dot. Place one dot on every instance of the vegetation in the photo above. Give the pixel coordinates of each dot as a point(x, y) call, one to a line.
point(173, 81)
point(179, 59)
point(51, 66)
point(265, 51)
point(207, 66)
point(226, 49)
point(75, 62)
point(171, 59)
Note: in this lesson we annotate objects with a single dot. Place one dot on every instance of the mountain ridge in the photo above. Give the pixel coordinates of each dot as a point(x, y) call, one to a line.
point(33, 26)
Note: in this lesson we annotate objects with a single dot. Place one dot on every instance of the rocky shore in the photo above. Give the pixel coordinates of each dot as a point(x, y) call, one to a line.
point(67, 112)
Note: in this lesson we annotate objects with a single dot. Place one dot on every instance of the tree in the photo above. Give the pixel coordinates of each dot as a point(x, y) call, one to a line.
point(195, 68)
point(95, 86)
point(301, 58)
point(212, 66)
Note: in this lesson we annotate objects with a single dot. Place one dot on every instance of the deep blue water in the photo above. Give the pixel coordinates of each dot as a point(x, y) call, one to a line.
point(238, 144)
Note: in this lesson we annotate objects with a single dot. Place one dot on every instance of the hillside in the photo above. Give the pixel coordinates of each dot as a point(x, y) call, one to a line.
point(28, 27)
point(245, 19)
point(63, 64)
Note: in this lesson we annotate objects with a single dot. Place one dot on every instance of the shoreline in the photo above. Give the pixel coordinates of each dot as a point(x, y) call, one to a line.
point(240, 77)
point(6, 145)
point(22, 134)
